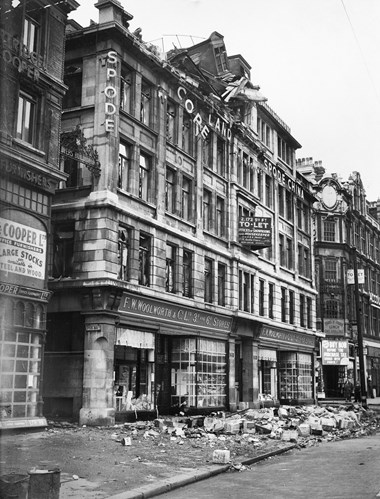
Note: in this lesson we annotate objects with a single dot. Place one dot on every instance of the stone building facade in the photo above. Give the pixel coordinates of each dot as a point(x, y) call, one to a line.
point(162, 302)
point(347, 235)
point(31, 86)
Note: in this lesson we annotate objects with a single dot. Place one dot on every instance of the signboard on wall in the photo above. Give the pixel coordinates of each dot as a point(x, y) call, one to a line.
point(22, 249)
point(335, 352)
point(333, 327)
point(255, 232)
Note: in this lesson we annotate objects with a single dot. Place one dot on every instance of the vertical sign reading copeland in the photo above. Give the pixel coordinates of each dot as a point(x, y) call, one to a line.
point(22, 249)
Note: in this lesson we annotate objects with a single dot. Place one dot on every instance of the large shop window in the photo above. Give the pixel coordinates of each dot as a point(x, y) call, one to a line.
point(198, 373)
point(134, 370)
point(20, 371)
point(295, 376)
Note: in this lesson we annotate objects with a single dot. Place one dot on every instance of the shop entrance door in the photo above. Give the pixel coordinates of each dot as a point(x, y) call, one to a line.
point(334, 379)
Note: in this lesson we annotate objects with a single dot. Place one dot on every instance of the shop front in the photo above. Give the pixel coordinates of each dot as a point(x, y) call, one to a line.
point(23, 302)
point(373, 371)
point(286, 366)
point(335, 365)
point(170, 358)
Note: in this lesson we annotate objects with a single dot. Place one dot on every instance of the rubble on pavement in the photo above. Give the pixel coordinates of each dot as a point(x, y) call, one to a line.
point(234, 436)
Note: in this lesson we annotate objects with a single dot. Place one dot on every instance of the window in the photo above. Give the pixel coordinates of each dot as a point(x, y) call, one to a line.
point(221, 284)
point(284, 151)
point(63, 250)
point(207, 151)
point(331, 309)
point(125, 153)
point(170, 190)
point(187, 273)
point(144, 259)
point(289, 205)
point(304, 261)
point(145, 108)
point(26, 118)
point(295, 375)
point(270, 300)
point(302, 310)
point(124, 253)
point(308, 312)
point(289, 253)
point(186, 205)
point(261, 297)
point(220, 156)
point(171, 252)
point(264, 132)
point(209, 277)
point(30, 39)
point(144, 176)
point(283, 304)
point(73, 79)
point(281, 200)
point(72, 168)
point(221, 59)
point(282, 250)
point(259, 184)
point(187, 133)
point(329, 230)
point(206, 209)
point(220, 217)
point(246, 291)
point(268, 191)
point(330, 270)
point(126, 90)
point(171, 120)
point(291, 307)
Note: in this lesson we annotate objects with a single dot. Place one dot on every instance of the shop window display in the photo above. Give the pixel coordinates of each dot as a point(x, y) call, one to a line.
point(295, 376)
point(198, 373)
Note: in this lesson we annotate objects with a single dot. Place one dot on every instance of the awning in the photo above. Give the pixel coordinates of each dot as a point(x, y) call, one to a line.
point(133, 338)
point(265, 354)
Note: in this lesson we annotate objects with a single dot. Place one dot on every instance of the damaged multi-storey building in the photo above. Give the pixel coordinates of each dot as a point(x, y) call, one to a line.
point(182, 257)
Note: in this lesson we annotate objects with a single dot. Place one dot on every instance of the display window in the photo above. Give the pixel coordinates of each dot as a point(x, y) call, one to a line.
point(295, 376)
point(134, 373)
point(198, 373)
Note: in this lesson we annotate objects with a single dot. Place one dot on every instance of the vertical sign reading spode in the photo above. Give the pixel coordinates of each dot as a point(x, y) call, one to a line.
point(110, 91)
point(22, 249)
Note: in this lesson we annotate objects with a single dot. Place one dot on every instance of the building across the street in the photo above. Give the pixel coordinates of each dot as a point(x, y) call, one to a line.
point(182, 251)
point(347, 241)
point(31, 90)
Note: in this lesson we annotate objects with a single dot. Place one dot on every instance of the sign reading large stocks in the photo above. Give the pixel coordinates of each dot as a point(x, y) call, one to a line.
point(22, 249)
point(255, 231)
point(335, 352)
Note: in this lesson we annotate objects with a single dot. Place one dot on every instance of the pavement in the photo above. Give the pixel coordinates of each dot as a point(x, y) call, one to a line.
point(76, 487)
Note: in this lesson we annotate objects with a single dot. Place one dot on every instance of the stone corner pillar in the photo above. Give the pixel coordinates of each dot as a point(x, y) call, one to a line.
point(98, 390)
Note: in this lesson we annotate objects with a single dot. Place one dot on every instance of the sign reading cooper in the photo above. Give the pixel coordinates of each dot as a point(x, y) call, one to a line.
point(255, 231)
point(22, 249)
point(335, 352)
point(173, 313)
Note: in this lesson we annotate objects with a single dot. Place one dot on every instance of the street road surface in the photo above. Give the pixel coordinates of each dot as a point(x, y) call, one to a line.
point(347, 469)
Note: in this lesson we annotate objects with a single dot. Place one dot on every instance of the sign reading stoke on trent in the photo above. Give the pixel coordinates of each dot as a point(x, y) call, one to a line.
point(255, 232)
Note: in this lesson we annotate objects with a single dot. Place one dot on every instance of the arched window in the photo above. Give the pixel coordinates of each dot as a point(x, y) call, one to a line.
point(20, 314)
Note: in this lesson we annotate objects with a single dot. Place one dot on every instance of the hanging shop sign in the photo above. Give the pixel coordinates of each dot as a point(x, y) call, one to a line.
point(203, 126)
point(168, 312)
point(22, 249)
point(335, 352)
point(255, 232)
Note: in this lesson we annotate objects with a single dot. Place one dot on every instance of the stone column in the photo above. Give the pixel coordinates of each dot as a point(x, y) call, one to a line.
point(98, 398)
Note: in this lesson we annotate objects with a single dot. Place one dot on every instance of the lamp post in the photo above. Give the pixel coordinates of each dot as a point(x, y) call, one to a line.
point(360, 332)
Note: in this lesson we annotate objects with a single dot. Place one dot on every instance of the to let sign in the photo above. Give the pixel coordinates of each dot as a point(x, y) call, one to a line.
point(255, 231)
point(351, 276)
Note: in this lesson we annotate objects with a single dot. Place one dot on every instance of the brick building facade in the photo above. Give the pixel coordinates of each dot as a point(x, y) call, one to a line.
point(31, 86)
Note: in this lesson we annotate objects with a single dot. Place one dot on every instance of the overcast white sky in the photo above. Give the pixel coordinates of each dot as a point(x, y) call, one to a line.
point(317, 62)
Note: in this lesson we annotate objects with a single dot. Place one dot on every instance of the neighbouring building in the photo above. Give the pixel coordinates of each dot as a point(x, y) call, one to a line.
point(31, 89)
point(347, 234)
point(182, 250)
